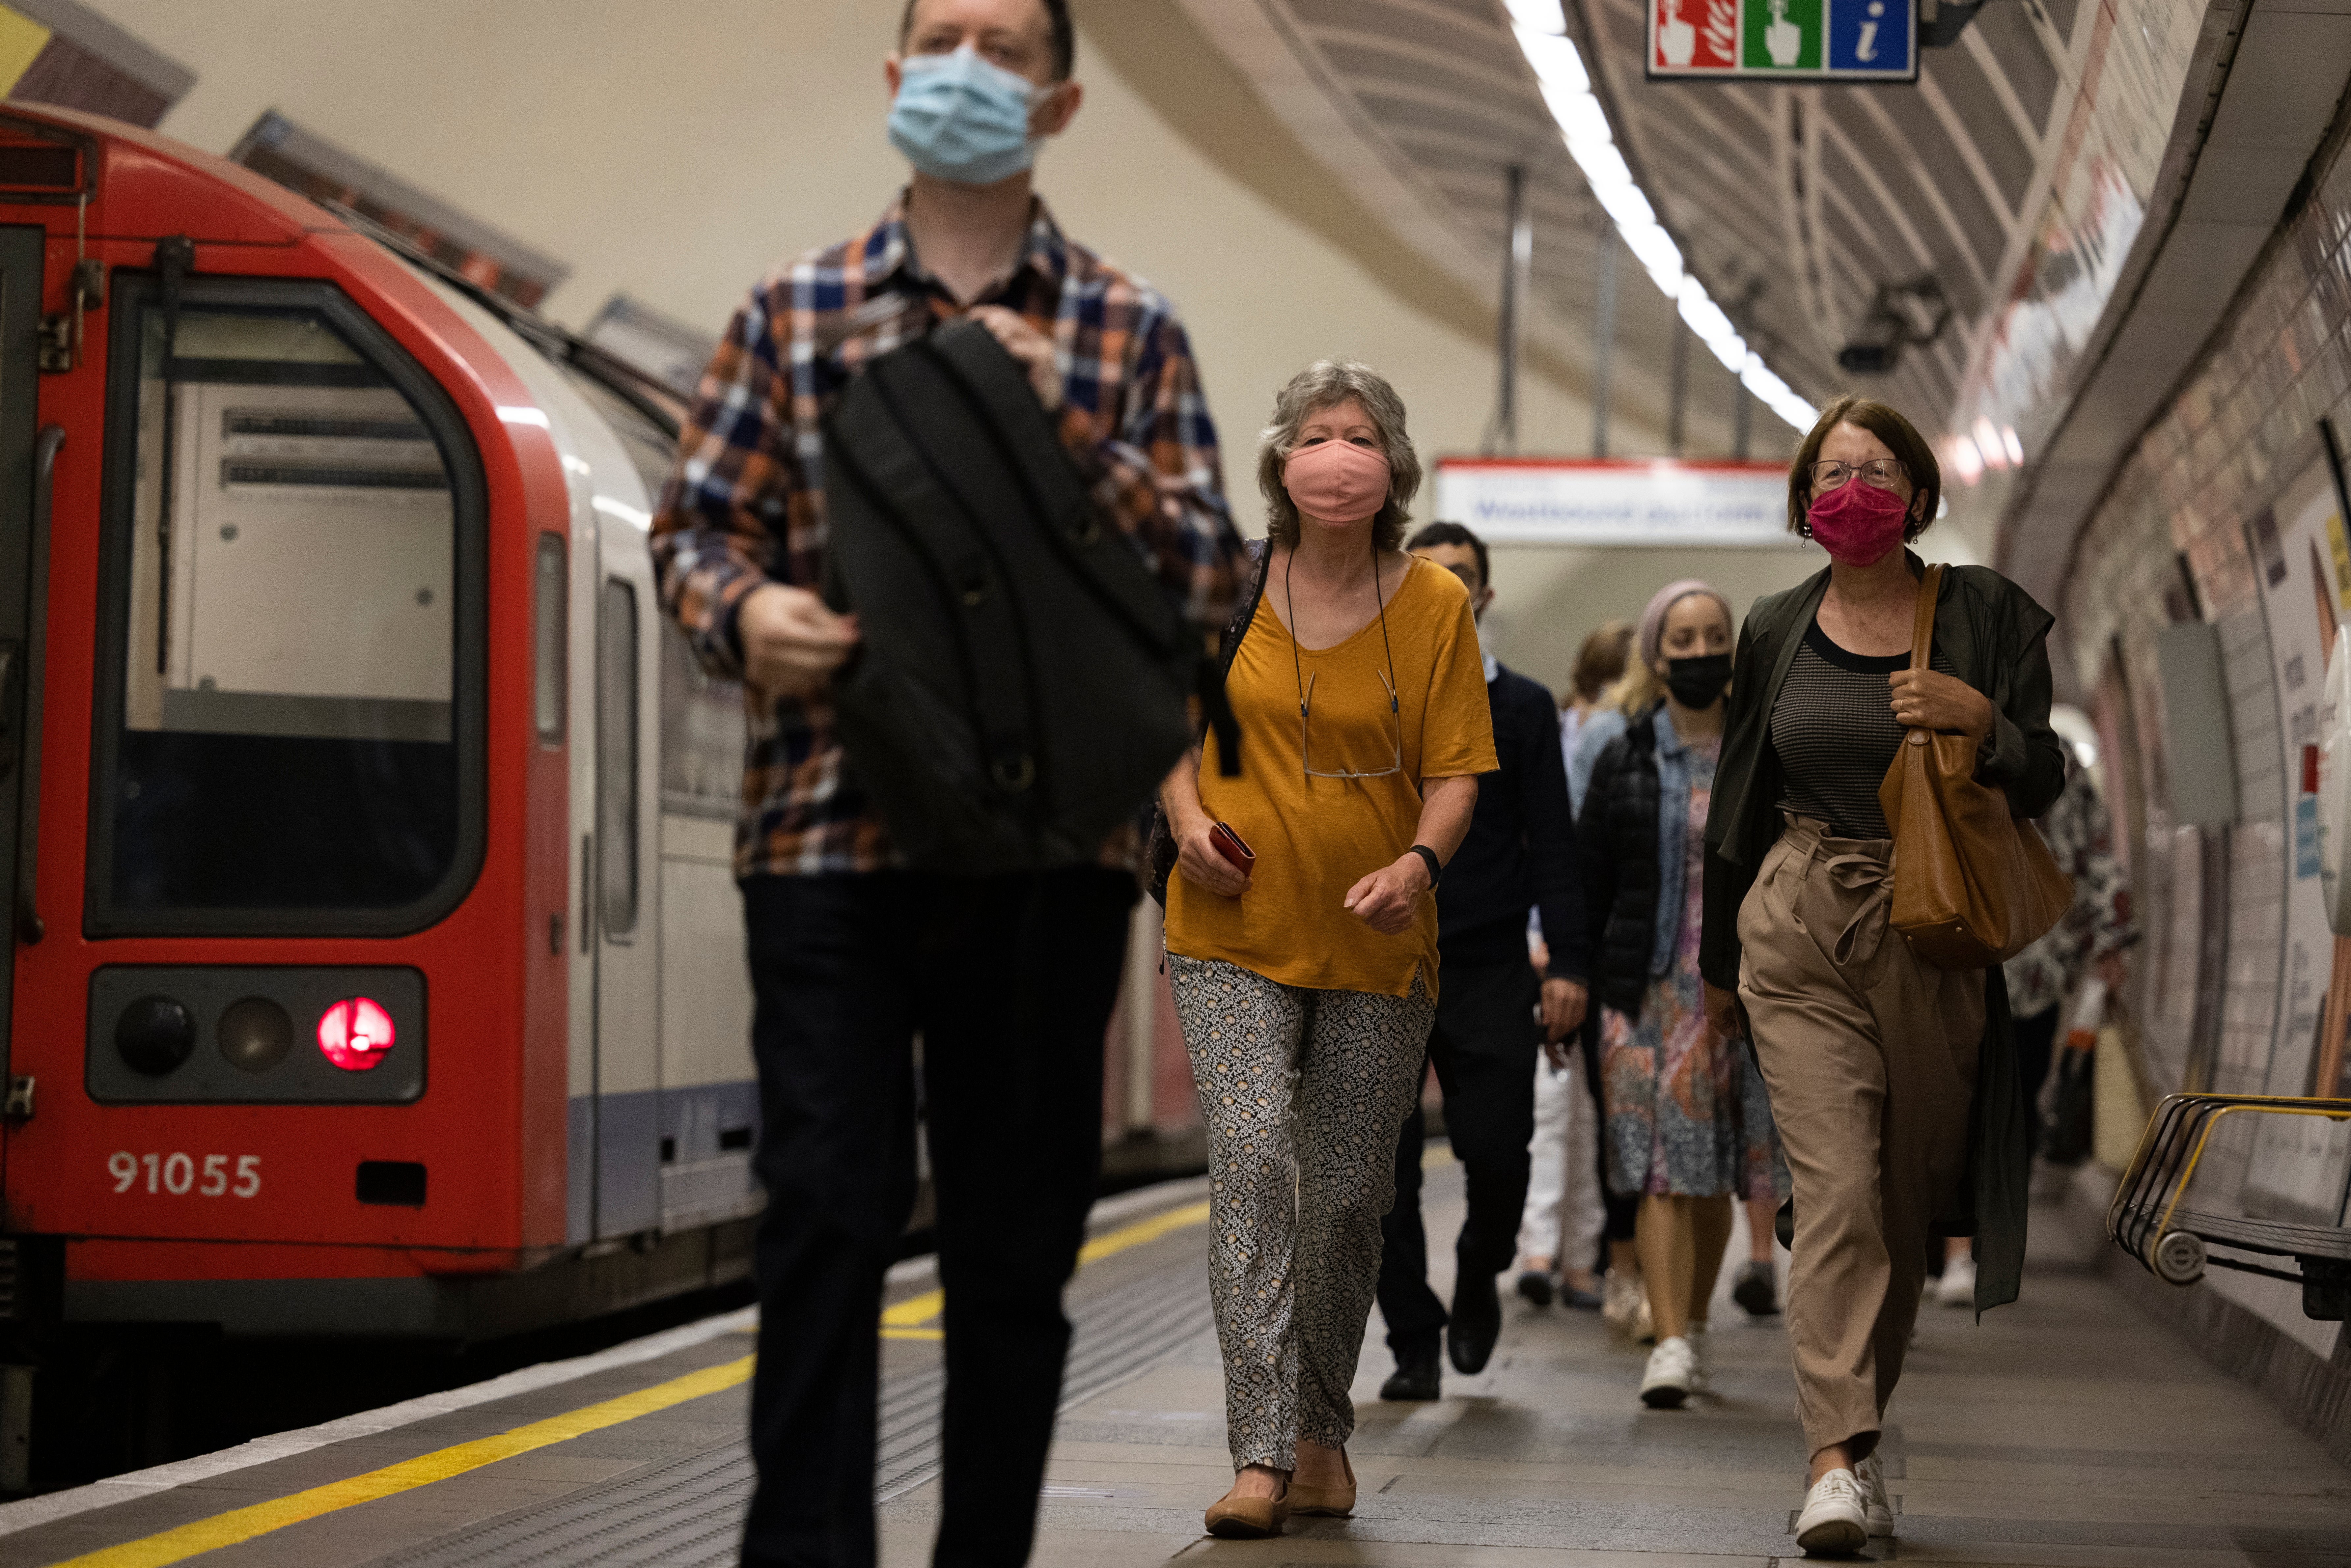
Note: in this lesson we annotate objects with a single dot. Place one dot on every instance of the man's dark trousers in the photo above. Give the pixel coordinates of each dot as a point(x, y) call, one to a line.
point(1483, 1047)
point(1009, 981)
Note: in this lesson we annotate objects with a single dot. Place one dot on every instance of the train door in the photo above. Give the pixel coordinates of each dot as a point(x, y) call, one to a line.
point(24, 560)
point(624, 889)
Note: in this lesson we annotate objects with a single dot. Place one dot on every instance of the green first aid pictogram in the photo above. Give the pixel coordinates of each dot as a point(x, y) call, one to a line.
point(1781, 35)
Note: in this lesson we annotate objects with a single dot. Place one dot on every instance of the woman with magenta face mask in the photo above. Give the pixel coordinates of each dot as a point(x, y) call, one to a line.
point(1893, 1083)
point(1301, 936)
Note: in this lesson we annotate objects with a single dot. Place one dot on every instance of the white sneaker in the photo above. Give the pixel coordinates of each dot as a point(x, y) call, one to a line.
point(1834, 1520)
point(1620, 1299)
point(1871, 1473)
point(1666, 1382)
point(1644, 1327)
point(1701, 1367)
point(1957, 1286)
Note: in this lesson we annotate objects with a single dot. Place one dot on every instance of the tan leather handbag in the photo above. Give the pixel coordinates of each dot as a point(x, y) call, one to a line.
point(1973, 885)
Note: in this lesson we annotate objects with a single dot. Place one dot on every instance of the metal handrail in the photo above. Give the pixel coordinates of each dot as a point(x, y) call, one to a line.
point(2164, 1166)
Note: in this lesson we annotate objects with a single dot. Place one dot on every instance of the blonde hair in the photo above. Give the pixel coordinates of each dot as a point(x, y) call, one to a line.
point(1325, 384)
point(1639, 689)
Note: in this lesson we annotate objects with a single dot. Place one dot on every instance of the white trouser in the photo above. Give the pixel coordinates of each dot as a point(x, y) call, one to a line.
point(1565, 1217)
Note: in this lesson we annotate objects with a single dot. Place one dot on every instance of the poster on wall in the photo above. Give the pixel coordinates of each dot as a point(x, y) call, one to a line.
point(2298, 554)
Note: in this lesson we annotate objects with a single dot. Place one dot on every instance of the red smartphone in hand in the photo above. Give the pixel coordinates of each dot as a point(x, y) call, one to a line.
point(1229, 845)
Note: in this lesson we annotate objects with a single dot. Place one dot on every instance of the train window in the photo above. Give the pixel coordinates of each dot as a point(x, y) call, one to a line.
point(616, 757)
point(289, 735)
point(552, 613)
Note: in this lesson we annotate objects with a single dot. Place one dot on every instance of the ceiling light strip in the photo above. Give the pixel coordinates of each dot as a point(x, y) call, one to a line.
point(1567, 89)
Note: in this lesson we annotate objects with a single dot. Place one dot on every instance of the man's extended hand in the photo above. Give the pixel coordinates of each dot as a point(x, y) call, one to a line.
point(1564, 1002)
point(791, 641)
point(1027, 345)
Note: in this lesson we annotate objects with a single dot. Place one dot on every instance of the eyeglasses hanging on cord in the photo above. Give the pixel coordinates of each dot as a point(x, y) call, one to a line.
point(1306, 687)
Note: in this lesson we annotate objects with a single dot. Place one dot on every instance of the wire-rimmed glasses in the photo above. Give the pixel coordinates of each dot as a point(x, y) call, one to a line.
point(1884, 473)
point(1306, 687)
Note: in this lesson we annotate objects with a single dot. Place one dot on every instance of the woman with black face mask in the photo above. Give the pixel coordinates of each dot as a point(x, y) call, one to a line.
point(1687, 1125)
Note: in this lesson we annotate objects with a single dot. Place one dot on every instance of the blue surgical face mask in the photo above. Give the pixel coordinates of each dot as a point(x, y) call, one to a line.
point(960, 118)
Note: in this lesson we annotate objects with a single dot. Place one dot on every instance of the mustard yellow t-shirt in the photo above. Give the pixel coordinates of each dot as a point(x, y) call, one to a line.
point(1314, 837)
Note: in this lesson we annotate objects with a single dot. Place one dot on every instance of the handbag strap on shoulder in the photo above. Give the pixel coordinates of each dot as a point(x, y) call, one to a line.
point(1922, 623)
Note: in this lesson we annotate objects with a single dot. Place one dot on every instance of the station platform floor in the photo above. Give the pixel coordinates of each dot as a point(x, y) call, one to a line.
point(2071, 1431)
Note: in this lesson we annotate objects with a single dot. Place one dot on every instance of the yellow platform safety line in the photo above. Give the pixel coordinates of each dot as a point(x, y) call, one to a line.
point(906, 1319)
point(261, 1517)
point(913, 1318)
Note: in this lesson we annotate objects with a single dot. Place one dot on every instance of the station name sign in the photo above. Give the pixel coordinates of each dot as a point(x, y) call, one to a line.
point(1783, 40)
point(1546, 501)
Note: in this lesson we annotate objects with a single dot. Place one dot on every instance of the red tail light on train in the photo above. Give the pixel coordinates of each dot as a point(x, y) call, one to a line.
point(355, 1033)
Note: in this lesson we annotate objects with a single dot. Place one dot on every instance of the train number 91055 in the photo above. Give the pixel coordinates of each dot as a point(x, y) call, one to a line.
point(180, 1174)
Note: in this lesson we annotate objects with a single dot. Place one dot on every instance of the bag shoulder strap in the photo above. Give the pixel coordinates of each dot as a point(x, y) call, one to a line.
point(1922, 623)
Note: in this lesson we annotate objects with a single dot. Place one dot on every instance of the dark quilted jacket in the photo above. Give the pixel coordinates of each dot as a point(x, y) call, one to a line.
point(1616, 848)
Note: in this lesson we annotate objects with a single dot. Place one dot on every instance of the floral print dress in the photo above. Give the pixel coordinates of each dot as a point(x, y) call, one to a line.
point(1687, 1113)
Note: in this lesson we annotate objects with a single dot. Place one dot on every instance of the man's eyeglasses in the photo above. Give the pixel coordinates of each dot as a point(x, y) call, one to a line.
point(1883, 472)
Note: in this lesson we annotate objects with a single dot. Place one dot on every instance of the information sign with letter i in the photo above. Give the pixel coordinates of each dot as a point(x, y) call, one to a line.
point(1787, 40)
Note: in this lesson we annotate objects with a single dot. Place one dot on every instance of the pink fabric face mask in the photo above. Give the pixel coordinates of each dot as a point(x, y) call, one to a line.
point(1336, 481)
point(1858, 522)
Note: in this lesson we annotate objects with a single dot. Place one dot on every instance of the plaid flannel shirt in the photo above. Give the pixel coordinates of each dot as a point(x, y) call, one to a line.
point(746, 503)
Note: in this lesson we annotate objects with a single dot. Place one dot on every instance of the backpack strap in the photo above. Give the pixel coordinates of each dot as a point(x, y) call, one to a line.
point(1215, 706)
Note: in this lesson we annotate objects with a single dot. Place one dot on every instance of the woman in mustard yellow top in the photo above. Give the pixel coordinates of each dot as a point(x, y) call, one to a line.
point(1306, 982)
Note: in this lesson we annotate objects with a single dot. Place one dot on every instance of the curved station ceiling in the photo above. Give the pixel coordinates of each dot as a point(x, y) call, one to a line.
point(2030, 180)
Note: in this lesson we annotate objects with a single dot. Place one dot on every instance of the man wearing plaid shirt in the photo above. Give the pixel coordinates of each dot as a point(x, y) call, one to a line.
point(1009, 980)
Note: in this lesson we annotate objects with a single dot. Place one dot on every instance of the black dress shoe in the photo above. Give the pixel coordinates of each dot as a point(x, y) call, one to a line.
point(1415, 1376)
point(1535, 1286)
point(1477, 1322)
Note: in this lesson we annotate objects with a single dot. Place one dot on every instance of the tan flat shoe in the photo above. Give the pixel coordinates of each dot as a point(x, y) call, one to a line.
point(1337, 1502)
point(1249, 1518)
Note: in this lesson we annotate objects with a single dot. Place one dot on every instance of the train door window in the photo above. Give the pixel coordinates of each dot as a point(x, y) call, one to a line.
point(550, 622)
point(702, 734)
point(291, 652)
point(616, 757)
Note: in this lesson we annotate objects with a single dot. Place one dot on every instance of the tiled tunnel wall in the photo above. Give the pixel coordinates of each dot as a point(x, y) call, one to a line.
point(2170, 542)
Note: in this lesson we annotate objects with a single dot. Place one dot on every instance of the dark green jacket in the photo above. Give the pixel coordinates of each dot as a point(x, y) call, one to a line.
point(1994, 633)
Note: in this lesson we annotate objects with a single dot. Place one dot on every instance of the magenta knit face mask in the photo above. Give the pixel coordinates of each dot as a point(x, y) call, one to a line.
point(1858, 522)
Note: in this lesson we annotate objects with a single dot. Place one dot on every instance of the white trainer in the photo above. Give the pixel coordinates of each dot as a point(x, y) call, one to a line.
point(1957, 1286)
point(1834, 1520)
point(1666, 1382)
point(1701, 1366)
point(1871, 1473)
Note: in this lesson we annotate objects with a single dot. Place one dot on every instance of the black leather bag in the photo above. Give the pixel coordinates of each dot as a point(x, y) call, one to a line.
point(1019, 686)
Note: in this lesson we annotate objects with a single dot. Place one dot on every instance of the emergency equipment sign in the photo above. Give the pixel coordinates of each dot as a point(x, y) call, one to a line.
point(1813, 40)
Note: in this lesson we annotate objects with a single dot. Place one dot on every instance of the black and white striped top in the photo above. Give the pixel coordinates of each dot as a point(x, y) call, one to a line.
point(1836, 735)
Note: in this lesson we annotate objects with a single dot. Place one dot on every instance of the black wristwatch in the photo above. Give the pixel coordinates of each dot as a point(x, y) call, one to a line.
point(1435, 868)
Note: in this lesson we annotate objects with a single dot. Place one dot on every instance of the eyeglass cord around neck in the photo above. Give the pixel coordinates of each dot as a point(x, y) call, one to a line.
point(1297, 669)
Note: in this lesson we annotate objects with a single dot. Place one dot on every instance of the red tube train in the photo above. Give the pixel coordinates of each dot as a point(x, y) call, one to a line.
point(376, 965)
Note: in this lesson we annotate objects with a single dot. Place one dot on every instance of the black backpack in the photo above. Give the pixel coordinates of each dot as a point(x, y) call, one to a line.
point(1020, 685)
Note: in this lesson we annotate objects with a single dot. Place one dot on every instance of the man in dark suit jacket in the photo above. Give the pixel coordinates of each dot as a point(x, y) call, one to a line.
point(1519, 855)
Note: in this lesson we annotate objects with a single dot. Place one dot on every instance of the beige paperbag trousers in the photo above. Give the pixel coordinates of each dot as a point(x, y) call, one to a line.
point(1870, 1056)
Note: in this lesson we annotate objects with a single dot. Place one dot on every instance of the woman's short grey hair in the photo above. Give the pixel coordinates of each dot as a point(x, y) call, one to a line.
point(1325, 384)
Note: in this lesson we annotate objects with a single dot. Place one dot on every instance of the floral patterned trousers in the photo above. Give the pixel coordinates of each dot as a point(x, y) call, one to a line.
point(1303, 1092)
